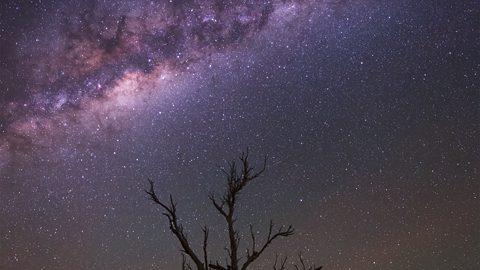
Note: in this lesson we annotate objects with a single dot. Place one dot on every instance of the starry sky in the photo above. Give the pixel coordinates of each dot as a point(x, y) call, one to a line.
point(368, 110)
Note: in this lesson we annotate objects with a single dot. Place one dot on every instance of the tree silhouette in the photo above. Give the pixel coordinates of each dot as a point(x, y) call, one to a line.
point(238, 177)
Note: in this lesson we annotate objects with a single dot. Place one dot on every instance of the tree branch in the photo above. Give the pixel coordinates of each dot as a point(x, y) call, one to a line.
point(237, 179)
point(217, 266)
point(175, 227)
point(253, 255)
point(282, 265)
point(303, 265)
point(205, 243)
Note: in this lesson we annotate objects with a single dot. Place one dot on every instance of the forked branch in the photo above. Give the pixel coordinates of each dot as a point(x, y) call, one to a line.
point(253, 254)
point(282, 263)
point(170, 211)
point(237, 180)
point(303, 266)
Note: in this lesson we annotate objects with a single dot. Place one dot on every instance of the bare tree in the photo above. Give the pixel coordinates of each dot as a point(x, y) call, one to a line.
point(238, 177)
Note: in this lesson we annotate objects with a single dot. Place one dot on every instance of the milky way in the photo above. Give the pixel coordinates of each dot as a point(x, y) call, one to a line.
point(367, 109)
point(87, 51)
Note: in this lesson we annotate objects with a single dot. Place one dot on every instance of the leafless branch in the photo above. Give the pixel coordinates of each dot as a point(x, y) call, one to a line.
point(282, 264)
point(237, 179)
point(253, 254)
point(303, 265)
point(205, 245)
point(217, 266)
point(170, 211)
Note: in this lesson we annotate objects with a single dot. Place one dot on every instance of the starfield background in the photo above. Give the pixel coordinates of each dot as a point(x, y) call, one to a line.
point(368, 111)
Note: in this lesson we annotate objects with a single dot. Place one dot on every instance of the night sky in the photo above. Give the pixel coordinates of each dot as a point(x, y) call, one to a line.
point(368, 111)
